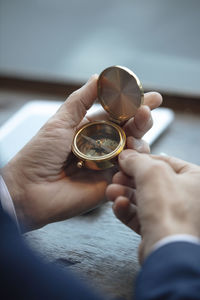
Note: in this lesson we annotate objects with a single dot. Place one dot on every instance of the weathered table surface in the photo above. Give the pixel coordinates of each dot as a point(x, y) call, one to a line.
point(97, 245)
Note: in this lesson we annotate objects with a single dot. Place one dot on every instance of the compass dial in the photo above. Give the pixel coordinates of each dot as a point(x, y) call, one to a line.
point(96, 146)
point(98, 140)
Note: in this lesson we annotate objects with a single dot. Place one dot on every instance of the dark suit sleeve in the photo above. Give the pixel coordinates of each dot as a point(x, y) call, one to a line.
point(172, 272)
point(24, 276)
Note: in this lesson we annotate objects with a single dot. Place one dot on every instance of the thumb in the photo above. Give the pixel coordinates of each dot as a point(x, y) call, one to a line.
point(134, 164)
point(75, 107)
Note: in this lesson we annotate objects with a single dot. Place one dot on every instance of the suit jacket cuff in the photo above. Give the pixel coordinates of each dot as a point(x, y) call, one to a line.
point(175, 238)
point(6, 201)
point(170, 272)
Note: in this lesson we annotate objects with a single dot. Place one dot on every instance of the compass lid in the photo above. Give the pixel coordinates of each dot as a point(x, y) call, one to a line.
point(120, 92)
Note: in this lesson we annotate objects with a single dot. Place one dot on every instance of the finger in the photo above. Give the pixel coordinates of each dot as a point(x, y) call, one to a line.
point(126, 212)
point(140, 124)
point(178, 165)
point(75, 107)
point(152, 100)
point(123, 179)
point(137, 144)
point(146, 170)
point(115, 190)
point(136, 165)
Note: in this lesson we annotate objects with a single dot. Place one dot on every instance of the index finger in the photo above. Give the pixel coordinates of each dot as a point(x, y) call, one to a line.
point(143, 168)
point(142, 121)
point(134, 164)
point(152, 100)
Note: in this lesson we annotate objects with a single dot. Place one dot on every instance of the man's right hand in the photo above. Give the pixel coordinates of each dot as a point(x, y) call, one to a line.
point(43, 179)
point(156, 196)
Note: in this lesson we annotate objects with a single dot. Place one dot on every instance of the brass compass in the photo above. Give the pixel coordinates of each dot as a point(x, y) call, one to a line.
point(97, 144)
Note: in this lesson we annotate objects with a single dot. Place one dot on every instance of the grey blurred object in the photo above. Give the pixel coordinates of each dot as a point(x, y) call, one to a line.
point(25, 123)
point(67, 41)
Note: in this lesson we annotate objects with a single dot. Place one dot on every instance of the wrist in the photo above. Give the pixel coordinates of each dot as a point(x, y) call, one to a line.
point(14, 181)
point(154, 234)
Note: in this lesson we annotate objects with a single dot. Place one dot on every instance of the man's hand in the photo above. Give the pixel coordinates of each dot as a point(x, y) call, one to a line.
point(43, 180)
point(156, 196)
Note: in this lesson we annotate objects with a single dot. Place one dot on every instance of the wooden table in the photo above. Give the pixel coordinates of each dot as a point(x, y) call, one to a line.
point(96, 245)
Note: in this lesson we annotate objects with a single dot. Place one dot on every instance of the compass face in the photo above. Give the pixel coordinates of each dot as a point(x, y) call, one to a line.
point(98, 140)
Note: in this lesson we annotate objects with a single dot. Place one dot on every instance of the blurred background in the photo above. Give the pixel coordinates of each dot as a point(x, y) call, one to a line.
point(48, 48)
point(67, 41)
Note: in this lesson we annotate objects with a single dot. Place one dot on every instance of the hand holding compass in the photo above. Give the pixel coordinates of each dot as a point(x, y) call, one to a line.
point(39, 170)
point(121, 94)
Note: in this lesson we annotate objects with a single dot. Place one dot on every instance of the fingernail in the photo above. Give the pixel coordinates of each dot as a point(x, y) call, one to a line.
point(146, 107)
point(92, 78)
point(126, 153)
point(163, 154)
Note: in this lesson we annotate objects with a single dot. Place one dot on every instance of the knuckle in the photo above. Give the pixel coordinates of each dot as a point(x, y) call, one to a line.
point(80, 99)
point(145, 148)
point(159, 167)
point(149, 123)
point(156, 169)
point(51, 124)
point(53, 128)
point(74, 94)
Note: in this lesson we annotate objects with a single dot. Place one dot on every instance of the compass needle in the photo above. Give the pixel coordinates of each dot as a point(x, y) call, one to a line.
point(97, 144)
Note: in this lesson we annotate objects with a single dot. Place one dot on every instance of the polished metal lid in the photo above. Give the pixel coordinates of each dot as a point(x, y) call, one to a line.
point(120, 92)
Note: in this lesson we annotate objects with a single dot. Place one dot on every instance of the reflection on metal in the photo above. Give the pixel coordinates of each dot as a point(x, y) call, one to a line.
point(97, 144)
point(120, 92)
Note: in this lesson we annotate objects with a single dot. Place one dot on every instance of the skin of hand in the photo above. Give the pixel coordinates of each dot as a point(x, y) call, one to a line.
point(156, 196)
point(43, 179)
